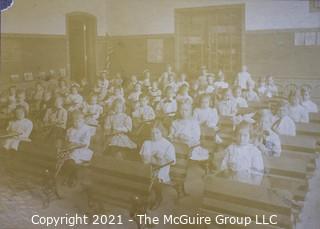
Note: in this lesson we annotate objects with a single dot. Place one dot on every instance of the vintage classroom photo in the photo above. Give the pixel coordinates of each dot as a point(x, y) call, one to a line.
point(164, 114)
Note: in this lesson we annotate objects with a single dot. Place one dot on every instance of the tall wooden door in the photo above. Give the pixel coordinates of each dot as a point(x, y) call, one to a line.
point(210, 36)
point(81, 30)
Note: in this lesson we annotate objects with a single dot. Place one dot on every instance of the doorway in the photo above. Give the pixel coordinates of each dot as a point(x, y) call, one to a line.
point(210, 36)
point(82, 32)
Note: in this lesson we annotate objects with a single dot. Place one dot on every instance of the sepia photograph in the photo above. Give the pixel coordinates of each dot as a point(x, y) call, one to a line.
point(162, 114)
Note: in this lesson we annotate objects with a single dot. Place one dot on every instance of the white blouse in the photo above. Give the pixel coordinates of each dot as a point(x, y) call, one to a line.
point(208, 116)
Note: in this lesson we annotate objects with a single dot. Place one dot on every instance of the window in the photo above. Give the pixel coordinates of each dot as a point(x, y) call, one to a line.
point(314, 5)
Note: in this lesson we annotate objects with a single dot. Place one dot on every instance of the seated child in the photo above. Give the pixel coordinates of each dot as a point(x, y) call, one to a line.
point(227, 106)
point(182, 80)
point(56, 117)
point(183, 94)
point(250, 95)
point(306, 101)
point(38, 95)
point(168, 105)
point(144, 112)
point(117, 94)
point(267, 140)
point(220, 83)
point(271, 87)
point(21, 101)
point(243, 161)
point(241, 102)
point(92, 111)
point(296, 111)
point(62, 89)
point(243, 78)
point(205, 115)
point(284, 125)
point(74, 100)
point(158, 151)
point(155, 93)
point(118, 125)
point(134, 95)
point(22, 126)
point(186, 130)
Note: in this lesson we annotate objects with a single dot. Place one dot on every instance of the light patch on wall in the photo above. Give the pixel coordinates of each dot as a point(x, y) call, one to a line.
point(155, 51)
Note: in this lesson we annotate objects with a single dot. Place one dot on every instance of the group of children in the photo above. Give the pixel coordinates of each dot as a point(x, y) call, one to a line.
point(149, 115)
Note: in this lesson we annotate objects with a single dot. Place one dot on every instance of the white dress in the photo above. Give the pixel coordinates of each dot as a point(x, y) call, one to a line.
point(284, 126)
point(272, 144)
point(221, 84)
point(241, 102)
point(81, 136)
point(243, 79)
point(251, 96)
point(145, 113)
point(208, 116)
point(298, 113)
point(57, 117)
point(75, 102)
point(188, 131)
point(245, 161)
point(182, 98)
point(310, 106)
point(227, 107)
point(167, 106)
point(119, 125)
point(159, 153)
point(92, 113)
point(23, 127)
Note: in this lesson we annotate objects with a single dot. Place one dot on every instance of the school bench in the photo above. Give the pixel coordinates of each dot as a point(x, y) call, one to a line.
point(232, 198)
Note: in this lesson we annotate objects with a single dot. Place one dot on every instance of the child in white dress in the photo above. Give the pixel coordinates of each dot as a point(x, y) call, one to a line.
point(267, 140)
point(183, 94)
point(21, 126)
point(186, 130)
point(155, 93)
point(250, 95)
point(92, 111)
point(306, 102)
point(182, 81)
point(284, 125)
point(38, 95)
point(117, 126)
point(74, 100)
point(271, 87)
point(21, 102)
point(205, 115)
point(134, 95)
point(144, 112)
point(243, 78)
point(243, 161)
point(241, 102)
point(220, 83)
point(228, 106)
point(167, 106)
point(296, 111)
point(158, 151)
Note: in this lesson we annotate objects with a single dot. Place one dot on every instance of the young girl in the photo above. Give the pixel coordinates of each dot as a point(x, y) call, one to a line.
point(92, 111)
point(74, 100)
point(20, 126)
point(220, 83)
point(21, 101)
point(158, 151)
point(183, 94)
point(55, 119)
point(186, 130)
point(168, 105)
point(271, 87)
point(227, 106)
point(117, 127)
point(182, 80)
point(243, 78)
point(243, 161)
point(155, 93)
point(205, 115)
point(306, 101)
point(241, 102)
point(116, 95)
point(250, 95)
point(284, 125)
point(38, 95)
point(262, 89)
point(267, 140)
point(144, 112)
point(62, 88)
point(297, 112)
point(135, 94)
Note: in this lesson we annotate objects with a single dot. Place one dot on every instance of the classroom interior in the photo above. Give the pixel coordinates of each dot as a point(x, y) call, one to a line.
point(75, 41)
